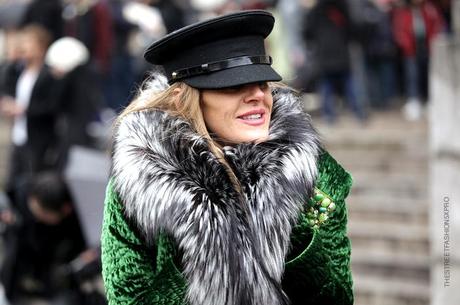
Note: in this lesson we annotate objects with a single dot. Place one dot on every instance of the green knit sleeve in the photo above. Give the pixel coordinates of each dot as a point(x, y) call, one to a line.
point(134, 273)
point(318, 266)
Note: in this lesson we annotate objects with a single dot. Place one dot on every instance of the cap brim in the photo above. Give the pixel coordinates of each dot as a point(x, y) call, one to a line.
point(234, 77)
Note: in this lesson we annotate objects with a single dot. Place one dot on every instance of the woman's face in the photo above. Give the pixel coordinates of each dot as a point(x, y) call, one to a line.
point(238, 114)
point(32, 49)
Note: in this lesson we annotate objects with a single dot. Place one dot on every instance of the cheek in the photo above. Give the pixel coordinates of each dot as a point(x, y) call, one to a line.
point(218, 119)
point(217, 112)
point(269, 101)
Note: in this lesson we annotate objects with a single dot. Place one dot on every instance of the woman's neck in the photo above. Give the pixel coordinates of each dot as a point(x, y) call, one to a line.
point(34, 65)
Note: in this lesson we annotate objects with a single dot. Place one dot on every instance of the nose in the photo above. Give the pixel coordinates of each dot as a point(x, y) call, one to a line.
point(255, 92)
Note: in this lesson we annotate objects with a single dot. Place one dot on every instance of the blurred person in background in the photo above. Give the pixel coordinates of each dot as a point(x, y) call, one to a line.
point(11, 64)
point(29, 103)
point(298, 52)
point(78, 95)
point(150, 26)
point(40, 243)
point(121, 75)
point(47, 13)
point(172, 13)
point(415, 25)
point(91, 22)
point(381, 55)
point(328, 29)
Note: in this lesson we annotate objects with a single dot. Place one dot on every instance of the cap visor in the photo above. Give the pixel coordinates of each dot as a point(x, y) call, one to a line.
point(234, 77)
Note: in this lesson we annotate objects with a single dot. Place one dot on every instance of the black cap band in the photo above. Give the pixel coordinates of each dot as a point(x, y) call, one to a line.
point(219, 65)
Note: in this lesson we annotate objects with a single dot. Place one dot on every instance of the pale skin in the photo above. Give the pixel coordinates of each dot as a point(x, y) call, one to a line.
point(9, 108)
point(238, 114)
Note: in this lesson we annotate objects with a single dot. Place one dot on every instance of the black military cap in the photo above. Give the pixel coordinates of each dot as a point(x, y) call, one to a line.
point(222, 52)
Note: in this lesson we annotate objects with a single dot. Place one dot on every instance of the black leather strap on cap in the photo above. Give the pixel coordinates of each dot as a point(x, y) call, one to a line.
point(220, 65)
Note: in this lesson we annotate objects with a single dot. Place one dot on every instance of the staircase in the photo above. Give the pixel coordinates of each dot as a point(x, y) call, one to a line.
point(388, 206)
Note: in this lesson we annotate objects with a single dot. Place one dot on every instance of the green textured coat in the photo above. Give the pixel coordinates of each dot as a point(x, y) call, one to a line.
point(317, 268)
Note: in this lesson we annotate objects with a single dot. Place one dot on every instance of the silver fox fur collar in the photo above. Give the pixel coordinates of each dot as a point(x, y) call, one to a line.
point(233, 246)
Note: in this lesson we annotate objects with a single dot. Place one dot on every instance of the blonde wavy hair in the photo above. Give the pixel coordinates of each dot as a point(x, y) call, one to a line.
point(183, 101)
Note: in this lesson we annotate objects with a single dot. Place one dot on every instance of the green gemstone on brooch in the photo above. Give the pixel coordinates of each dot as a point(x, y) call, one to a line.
point(318, 197)
point(326, 202)
point(319, 208)
point(331, 206)
point(322, 217)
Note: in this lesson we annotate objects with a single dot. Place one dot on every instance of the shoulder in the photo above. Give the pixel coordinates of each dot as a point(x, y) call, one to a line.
point(332, 178)
point(326, 208)
point(116, 221)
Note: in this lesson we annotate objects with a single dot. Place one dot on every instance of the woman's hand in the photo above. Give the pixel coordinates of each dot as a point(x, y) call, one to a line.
point(7, 217)
point(9, 108)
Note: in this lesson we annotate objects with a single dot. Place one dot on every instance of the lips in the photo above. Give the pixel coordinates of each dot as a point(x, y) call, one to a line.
point(254, 117)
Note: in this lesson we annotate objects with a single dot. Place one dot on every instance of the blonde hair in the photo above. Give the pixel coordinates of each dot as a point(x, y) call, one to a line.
point(183, 101)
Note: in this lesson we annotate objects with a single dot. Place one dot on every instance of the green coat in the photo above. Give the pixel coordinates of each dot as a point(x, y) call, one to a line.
point(317, 268)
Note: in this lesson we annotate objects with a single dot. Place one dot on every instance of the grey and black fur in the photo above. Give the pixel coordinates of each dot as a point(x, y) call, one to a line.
point(233, 245)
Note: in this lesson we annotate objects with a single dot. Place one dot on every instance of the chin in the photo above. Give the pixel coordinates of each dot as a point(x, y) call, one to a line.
point(255, 137)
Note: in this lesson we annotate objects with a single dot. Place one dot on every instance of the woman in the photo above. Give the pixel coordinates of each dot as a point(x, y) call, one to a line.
point(29, 102)
point(220, 190)
point(415, 26)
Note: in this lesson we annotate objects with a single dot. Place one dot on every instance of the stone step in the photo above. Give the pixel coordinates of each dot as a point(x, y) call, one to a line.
point(381, 161)
point(393, 190)
point(389, 258)
point(388, 198)
point(387, 203)
point(392, 119)
point(394, 244)
point(392, 271)
point(382, 128)
point(386, 150)
point(388, 230)
point(394, 147)
point(378, 290)
point(390, 202)
point(396, 176)
point(404, 218)
point(357, 165)
point(390, 182)
point(401, 192)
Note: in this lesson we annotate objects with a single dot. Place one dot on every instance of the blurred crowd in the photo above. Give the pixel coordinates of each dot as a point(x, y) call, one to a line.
point(372, 53)
point(68, 66)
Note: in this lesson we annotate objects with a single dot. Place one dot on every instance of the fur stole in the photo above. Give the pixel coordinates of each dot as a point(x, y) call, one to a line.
point(233, 246)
